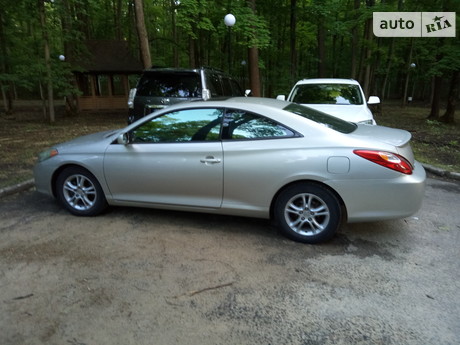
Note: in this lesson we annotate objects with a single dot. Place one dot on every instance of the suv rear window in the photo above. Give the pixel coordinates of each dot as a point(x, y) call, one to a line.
point(157, 84)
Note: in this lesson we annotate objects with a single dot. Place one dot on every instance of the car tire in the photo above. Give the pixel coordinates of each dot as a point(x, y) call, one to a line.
point(308, 213)
point(80, 192)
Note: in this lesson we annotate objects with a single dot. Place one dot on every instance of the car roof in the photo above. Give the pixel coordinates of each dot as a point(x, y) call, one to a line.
point(174, 69)
point(327, 81)
point(234, 102)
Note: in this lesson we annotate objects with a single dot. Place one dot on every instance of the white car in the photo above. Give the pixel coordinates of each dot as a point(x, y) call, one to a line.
point(343, 98)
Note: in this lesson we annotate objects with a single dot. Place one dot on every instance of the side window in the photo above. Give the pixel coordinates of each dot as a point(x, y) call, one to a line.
point(240, 125)
point(227, 86)
point(214, 85)
point(181, 126)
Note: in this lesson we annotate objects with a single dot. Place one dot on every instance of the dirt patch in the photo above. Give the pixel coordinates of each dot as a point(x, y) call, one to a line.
point(141, 276)
point(25, 134)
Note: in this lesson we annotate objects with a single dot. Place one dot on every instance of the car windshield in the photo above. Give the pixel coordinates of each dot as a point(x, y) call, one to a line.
point(161, 84)
point(346, 94)
point(329, 121)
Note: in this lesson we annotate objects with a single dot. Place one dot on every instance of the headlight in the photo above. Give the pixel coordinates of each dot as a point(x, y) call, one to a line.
point(42, 156)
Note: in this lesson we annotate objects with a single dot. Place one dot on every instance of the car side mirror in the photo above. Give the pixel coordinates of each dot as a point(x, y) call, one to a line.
point(281, 97)
point(247, 93)
point(124, 139)
point(373, 100)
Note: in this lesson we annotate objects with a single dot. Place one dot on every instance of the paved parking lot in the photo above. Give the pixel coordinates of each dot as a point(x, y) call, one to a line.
point(137, 276)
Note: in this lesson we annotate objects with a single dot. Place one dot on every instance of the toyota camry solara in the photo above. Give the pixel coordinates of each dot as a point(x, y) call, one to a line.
point(255, 157)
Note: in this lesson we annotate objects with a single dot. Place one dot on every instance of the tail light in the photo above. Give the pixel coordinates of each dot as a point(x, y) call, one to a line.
point(389, 160)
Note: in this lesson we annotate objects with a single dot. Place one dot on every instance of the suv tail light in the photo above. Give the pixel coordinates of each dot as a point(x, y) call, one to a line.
point(389, 160)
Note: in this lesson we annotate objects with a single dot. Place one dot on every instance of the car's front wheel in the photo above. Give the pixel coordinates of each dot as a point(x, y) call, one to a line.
point(80, 192)
point(308, 213)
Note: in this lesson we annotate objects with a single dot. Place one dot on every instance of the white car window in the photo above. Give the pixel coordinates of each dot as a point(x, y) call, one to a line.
point(346, 94)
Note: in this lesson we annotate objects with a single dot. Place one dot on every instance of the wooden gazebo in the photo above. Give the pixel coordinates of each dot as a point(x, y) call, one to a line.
point(106, 75)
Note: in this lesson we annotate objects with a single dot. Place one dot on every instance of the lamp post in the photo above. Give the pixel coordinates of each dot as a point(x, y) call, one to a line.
point(411, 97)
point(229, 21)
point(407, 99)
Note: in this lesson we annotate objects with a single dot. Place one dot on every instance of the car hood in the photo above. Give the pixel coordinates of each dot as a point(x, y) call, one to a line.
point(352, 113)
point(95, 140)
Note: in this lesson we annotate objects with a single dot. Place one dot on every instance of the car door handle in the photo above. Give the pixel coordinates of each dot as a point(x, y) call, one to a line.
point(210, 160)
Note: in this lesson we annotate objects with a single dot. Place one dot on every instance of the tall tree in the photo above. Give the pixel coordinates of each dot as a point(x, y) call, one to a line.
point(293, 35)
point(253, 57)
point(354, 41)
point(46, 49)
point(454, 89)
point(142, 33)
point(321, 37)
point(5, 84)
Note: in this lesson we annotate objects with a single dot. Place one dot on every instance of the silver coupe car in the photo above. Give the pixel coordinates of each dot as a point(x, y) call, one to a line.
point(256, 157)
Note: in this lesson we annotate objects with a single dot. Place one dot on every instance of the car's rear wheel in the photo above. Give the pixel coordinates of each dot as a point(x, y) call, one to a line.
point(80, 192)
point(308, 213)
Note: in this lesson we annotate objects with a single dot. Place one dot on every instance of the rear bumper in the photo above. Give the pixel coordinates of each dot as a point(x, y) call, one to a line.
point(372, 200)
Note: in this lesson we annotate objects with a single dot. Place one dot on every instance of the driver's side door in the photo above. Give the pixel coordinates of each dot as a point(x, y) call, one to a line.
point(173, 159)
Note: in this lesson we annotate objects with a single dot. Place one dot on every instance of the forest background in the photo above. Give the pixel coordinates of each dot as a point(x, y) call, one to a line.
point(273, 44)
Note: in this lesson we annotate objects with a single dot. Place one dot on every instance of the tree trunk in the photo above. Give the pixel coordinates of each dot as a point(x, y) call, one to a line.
point(321, 37)
point(293, 26)
point(435, 103)
point(448, 116)
point(7, 93)
point(49, 81)
point(387, 69)
point(142, 33)
point(408, 73)
point(368, 51)
point(354, 44)
point(117, 12)
point(175, 51)
point(191, 52)
point(253, 57)
point(254, 75)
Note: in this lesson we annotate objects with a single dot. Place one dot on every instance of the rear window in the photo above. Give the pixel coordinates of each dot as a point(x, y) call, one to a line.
point(214, 85)
point(344, 94)
point(329, 121)
point(158, 84)
point(231, 87)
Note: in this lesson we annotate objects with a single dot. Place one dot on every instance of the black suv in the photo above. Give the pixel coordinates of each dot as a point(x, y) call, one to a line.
point(160, 87)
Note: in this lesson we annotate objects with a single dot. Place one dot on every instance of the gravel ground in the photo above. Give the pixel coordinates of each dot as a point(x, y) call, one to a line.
point(138, 276)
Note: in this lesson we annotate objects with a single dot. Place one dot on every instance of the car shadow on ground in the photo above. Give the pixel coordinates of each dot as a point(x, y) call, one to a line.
point(361, 239)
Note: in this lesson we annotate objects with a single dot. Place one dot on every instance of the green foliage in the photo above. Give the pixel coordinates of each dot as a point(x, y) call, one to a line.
point(195, 29)
point(252, 27)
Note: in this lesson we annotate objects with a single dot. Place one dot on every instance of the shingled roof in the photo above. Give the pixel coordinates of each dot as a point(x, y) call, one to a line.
point(106, 56)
